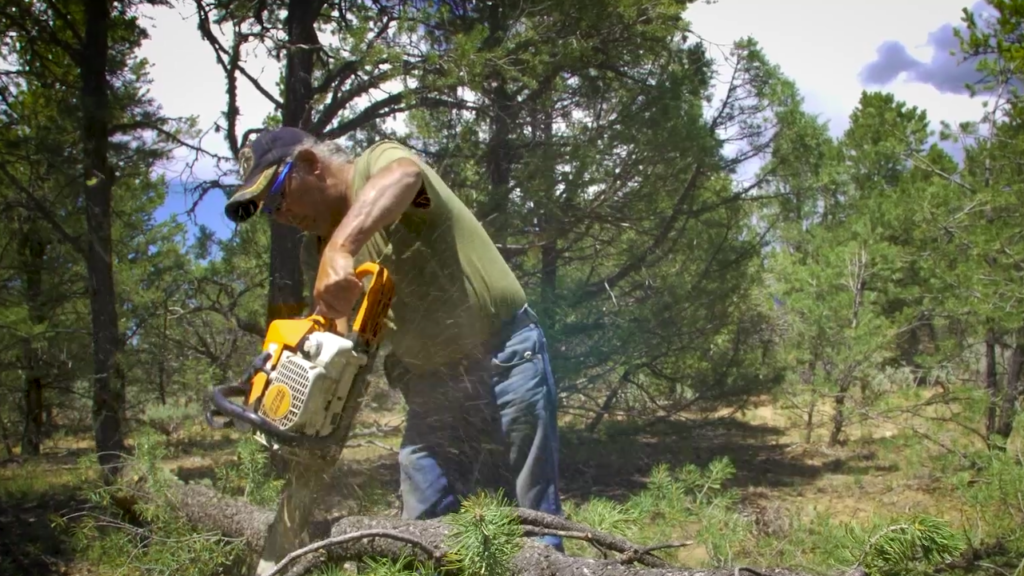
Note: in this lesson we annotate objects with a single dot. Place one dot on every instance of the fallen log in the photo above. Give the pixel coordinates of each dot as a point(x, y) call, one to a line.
point(361, 537)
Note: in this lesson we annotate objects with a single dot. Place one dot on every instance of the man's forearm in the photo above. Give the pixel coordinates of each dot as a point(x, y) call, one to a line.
point(381, 202)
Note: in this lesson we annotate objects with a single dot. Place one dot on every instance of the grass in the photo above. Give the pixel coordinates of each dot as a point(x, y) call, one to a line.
point(32, 493)
point(745, 489)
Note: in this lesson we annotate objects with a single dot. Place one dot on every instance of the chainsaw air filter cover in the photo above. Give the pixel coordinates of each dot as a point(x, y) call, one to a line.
point(307, 390)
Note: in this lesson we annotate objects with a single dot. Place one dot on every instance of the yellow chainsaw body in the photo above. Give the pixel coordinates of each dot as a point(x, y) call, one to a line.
point(304, 384)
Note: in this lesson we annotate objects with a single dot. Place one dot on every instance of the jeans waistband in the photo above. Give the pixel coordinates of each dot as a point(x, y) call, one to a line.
point(525, 317)
point(522, 319)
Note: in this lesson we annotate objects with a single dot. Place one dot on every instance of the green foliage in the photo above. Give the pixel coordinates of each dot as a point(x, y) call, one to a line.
point(687, 503)
point(483, 537)
point(913, 547)
point(992, 496)
point(912, 544)
point(164, 544)
point(250, 475)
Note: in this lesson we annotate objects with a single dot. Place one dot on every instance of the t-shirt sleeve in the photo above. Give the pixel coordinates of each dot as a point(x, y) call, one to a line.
point(386, 152)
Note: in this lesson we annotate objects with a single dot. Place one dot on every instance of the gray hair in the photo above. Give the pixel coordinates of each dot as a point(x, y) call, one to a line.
point(329, 150)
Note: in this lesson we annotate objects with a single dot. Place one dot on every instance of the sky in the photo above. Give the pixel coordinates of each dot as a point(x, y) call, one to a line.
point(832, 50)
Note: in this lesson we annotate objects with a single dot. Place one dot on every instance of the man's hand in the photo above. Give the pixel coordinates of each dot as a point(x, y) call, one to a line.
point(337, 287)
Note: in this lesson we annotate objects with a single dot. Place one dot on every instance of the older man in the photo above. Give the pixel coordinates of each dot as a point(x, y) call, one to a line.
point(478, 383)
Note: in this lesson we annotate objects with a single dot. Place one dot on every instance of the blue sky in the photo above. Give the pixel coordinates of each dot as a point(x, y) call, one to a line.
point(210, 212)
point(833, 50)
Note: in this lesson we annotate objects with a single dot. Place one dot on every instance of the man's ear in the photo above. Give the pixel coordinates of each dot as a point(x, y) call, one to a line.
point(307, 162)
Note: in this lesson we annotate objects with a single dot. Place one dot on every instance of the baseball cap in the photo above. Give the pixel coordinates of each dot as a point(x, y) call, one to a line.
point(257, 163)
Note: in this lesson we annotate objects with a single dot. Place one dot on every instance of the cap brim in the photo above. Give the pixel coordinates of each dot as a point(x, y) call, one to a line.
point(246, 201)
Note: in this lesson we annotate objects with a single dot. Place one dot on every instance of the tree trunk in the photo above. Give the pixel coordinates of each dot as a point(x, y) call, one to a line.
point(33, 245)
point(838, 417)
point(991, 383)
point(807, 379)
point(809, 423)
point(161, 381)
point(6, 438)
point(32, 437)
point(859, 267)
point(549, 217)
point(499, 152)
point(98, 181)
point(208, 510)
point(499, 166)
point(285, 298)
point(925, 331)
point(1011, 391)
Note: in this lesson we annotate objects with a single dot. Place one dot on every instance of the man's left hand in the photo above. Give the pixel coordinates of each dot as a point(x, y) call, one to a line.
point(337, 287)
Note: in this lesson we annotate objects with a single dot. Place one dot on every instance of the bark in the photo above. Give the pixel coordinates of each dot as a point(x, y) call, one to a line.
point(809, 422)
point(285, 298)
point(549, 218)
point(6, 438)
point(206, 509)
point(807, 379)
point(32, 436)
point(98, 181)
point(500, 147)
point(499, 164)
point(858, 275)
point(838, 418)
point(991, 383)
point(161, 381)
point(1012, 390)
point(33, 247)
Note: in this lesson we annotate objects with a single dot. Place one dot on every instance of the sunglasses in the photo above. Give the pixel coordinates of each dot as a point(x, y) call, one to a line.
point(273, 200)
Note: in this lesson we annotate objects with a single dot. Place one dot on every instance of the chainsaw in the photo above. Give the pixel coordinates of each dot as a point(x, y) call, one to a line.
point(301, 395)
point(298, 388)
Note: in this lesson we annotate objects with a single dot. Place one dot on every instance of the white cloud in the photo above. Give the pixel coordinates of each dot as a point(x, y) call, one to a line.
point(823, 46)
point(188, 81)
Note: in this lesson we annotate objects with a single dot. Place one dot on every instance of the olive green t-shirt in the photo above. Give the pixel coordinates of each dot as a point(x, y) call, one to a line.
point(453, 289)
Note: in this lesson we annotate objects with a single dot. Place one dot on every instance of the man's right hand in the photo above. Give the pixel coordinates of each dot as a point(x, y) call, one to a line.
point(337, 287)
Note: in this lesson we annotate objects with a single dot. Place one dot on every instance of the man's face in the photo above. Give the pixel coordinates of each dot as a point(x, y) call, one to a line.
point(305, 202)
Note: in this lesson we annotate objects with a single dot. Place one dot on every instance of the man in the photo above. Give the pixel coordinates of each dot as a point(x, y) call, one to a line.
point(477, 379)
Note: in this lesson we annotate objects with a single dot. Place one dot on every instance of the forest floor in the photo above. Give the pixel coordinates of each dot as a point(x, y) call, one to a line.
point(781, 478)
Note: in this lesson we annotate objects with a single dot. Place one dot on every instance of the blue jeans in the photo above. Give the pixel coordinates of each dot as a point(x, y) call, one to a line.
point(487, 422)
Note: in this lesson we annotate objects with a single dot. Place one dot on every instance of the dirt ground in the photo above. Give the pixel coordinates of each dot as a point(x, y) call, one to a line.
point(776, 474)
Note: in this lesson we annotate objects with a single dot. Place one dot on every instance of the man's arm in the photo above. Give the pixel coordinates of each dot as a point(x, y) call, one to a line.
point(383, 199)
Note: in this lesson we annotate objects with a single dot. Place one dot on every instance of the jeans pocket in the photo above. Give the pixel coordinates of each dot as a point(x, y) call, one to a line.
point(508, 362)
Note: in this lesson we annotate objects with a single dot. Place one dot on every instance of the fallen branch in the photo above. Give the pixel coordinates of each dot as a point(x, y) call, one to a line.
point(434, 553)
point(376, 431)
point(631, 557)
point(533, 519)
point(374, 443)
point(359, 537)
